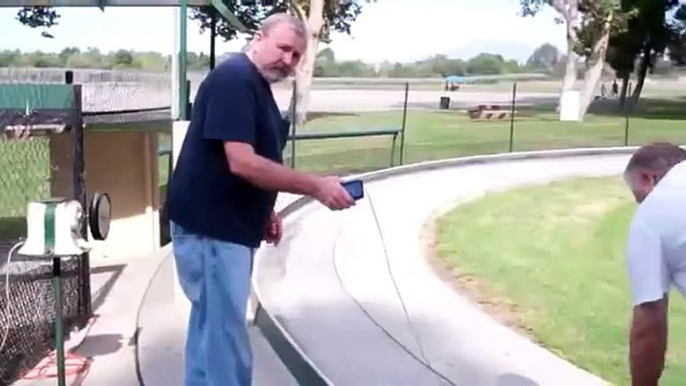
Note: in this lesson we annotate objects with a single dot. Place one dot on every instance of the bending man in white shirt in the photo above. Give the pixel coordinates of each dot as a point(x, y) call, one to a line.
point(655, 252)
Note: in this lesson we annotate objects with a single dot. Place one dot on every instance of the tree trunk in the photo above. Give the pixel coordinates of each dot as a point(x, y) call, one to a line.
point(625, 89)
point(594, 73)
point(303, 77)
point(571, 71)
point(569, 80)
point(569, 10)
point(642, 72)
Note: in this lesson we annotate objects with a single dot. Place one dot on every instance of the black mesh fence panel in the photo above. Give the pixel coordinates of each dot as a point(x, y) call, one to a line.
point(27, 173)
point(28, 313)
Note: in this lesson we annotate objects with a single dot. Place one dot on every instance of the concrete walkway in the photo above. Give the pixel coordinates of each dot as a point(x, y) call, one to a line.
point(118, 287)
point(162, 324)
point(329, 284)
point(138, 295)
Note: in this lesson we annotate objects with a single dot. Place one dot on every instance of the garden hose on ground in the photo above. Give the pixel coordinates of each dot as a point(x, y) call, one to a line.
point(423, 360)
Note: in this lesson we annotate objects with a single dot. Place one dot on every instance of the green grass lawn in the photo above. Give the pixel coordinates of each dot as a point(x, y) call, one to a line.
point(551, 259)
point(434, 135)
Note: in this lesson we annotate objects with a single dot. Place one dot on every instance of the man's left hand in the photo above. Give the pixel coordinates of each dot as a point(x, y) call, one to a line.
point(274, 230)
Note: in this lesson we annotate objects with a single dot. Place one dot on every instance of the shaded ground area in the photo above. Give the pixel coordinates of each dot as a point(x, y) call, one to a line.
point(567, 239)
point(30, 364)
point(27, 312)
point(667, 108)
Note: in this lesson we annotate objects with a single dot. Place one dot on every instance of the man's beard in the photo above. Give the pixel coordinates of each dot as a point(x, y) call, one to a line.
point(276, 75)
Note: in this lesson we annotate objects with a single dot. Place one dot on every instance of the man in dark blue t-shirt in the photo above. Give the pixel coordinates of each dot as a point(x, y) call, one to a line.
point(220, 200)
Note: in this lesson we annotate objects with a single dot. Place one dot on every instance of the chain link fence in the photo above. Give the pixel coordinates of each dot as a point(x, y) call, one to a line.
point(470, 121)
point(32, 171)
point(27, 320)
point(433, 123)
point(26, 294)
point(24, 176)
point(109, 90)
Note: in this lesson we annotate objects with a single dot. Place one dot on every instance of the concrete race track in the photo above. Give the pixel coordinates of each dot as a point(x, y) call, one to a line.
point(328, 284)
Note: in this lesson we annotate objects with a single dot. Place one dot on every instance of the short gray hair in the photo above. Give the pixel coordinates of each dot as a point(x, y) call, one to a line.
point(273, 20)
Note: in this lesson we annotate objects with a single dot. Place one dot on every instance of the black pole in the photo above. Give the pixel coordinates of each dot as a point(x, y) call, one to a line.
point(294, 111)
point(69, 77)
point(213, 39)
point(59, 317)
point(404, 124)
point(79, 190)
point(512, 115)
point(627, 105)
point(189, 105)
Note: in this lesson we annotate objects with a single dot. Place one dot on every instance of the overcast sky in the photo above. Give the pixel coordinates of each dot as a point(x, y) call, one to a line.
point(418, 28)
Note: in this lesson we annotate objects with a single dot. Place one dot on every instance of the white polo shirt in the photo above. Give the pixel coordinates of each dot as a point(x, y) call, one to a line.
point(656, 244)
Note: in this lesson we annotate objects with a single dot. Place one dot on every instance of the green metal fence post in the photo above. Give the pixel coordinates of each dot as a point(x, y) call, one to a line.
point(294, 124)
point(395, 138)
point(183, 59)
point(512, 115)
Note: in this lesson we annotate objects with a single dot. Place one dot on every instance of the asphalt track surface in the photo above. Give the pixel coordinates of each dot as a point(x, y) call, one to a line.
point(329, 285)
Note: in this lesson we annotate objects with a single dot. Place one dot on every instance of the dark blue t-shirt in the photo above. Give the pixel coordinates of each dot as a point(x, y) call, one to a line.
point(234, 103)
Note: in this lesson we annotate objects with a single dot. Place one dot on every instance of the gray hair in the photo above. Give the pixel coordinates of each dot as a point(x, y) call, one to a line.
point(273, 20)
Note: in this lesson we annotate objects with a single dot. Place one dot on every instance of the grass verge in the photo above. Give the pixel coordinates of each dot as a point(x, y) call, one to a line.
point(549, 261)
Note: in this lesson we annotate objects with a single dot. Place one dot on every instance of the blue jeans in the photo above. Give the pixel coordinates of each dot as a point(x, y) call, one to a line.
point(215, 276)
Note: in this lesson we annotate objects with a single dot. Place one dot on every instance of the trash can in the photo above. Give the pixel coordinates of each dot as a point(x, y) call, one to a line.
point(445, 103)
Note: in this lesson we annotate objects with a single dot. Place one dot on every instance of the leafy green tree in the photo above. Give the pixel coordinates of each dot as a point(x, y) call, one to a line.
point(621, 56)
point(569, 15)
point(677, 44)
point(123, 58)
point(589, 25)
point(647, 34)
point(485, 64)
point(544, 58)
point(38, 17)
point(652, 33)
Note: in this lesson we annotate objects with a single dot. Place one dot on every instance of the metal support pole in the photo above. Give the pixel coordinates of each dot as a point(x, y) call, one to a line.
point(512, 115)
point(189, 105)
point(395, 139)
point(402, 129)
point(294, 112)
point(175, 67)
point(59, 328)
point(183, 58)
point(80, 195)
point(627, 105)
point(213, 39)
